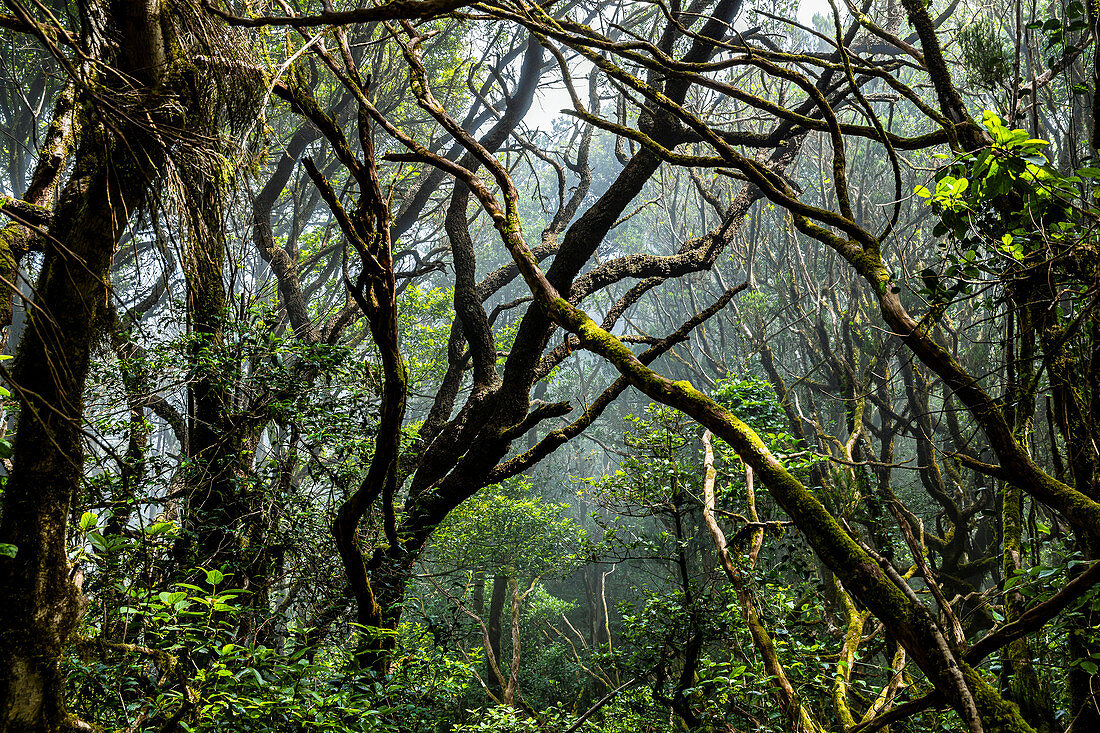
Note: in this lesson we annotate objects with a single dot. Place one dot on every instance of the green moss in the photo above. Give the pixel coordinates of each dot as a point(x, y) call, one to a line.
point(997, 714)
point(7, 273)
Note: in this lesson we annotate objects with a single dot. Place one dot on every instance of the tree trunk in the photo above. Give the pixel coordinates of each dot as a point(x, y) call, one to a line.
point(496, 630)
point(1084, 688)
point(114, 164)
point(41, 591)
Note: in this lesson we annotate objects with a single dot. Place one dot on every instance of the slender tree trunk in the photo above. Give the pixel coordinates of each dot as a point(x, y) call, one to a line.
point(1084, 687)
point(496, 629)
point(479, 592)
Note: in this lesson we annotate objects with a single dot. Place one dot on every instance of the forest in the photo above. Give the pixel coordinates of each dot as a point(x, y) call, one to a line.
point(559, 366)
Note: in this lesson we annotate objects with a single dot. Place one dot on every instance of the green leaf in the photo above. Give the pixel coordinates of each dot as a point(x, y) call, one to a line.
point(8, 550)
point(213, 577)
point(87, 521)
point(99, 542)
point(160, 528)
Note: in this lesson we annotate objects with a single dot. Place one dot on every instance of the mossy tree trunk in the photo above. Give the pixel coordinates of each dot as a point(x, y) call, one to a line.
point(117, 158)
point(41, 588)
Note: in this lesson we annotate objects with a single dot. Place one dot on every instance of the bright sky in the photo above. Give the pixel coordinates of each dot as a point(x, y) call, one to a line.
point(808, 8)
